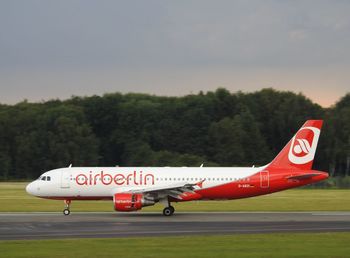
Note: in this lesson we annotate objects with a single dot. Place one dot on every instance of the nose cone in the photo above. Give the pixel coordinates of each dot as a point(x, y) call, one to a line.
point(30, 188)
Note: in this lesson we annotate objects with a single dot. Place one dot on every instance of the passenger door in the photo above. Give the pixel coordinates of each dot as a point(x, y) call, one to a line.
point(65, 179)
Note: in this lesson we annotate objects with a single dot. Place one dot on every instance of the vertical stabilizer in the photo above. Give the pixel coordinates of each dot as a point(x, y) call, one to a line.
point(300, 150)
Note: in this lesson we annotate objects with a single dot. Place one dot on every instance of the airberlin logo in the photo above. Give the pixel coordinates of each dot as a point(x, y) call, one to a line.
point(135, 178)
point(303, 147)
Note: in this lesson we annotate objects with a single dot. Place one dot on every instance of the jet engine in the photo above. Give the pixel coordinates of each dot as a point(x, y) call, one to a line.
point(130, 201)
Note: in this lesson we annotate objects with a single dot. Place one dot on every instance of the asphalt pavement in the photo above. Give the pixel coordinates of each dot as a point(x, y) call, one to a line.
point(51, 225)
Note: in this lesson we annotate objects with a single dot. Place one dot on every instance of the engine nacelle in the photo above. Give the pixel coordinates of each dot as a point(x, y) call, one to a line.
point(130, 202)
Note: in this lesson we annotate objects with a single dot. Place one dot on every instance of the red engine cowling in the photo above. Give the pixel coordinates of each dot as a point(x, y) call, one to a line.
point(130, 202)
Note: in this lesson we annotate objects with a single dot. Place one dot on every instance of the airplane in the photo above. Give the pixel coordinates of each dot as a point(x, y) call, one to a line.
point(131, 188)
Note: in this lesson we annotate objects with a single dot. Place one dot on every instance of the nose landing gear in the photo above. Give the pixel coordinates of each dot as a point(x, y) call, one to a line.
point(66, 210)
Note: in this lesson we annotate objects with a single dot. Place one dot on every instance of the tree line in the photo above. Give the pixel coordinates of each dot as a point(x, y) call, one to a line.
point(215, 128)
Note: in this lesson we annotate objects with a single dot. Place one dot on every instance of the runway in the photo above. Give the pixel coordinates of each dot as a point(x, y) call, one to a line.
point(49, 225)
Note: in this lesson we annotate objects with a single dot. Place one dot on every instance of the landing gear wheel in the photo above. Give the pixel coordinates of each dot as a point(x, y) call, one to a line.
point(66, 212)
point(168, 211)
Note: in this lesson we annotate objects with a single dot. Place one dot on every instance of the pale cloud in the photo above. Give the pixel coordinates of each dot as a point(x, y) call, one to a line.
point(297, 35)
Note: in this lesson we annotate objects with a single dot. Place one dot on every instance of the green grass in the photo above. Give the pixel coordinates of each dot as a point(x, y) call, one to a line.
point(13, 198)
point(255, 245)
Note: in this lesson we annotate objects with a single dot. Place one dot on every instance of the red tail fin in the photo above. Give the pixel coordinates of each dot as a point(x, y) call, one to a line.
point(300, 150)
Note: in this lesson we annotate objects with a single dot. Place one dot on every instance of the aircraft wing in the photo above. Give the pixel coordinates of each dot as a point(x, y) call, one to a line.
point(174, 190)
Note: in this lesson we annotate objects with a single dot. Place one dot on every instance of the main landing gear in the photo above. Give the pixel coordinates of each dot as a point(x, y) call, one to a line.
point(168, 211)
point(66, 210)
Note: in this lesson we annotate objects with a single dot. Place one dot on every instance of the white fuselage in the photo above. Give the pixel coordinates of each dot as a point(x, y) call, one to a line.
point(105, 181)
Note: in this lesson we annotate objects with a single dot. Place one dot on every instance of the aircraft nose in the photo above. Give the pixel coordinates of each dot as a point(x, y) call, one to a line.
point(30, 189)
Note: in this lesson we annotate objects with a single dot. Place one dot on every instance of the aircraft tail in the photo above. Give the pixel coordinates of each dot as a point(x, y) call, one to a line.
point(300, 151)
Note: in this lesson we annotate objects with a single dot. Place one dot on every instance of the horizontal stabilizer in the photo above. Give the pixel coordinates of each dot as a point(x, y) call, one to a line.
point(303, 176)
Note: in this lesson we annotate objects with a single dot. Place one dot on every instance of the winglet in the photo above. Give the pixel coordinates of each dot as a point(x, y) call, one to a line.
point(200, 184)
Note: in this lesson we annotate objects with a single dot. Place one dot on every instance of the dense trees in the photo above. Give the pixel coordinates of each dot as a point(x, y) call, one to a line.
point(337, 145)
point(35, 137)
point(215, 128)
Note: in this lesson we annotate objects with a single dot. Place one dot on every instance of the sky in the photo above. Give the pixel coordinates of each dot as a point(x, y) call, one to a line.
point(56, 49)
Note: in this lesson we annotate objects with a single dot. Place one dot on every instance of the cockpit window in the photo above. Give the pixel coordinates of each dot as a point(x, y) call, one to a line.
point(48, 178)
point(43, 178)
